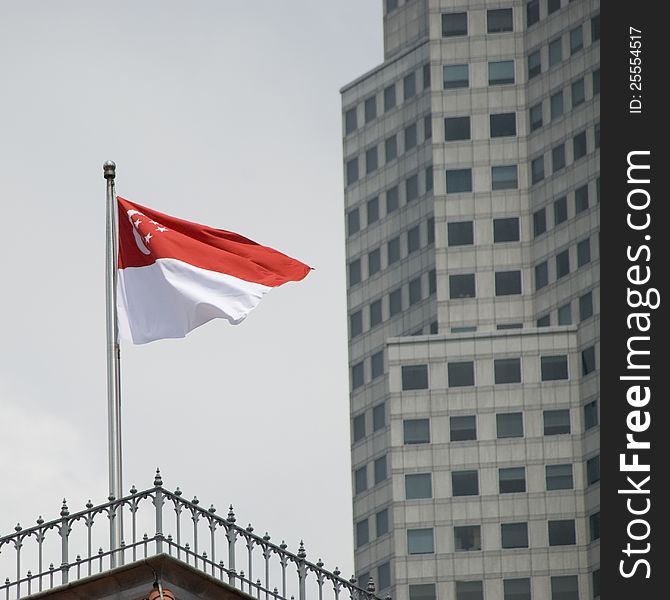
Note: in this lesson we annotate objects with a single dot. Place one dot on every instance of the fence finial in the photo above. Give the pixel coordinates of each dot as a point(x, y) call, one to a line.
point(231, 515)
point(158, 480)
point(302, 553)
point(64, 511)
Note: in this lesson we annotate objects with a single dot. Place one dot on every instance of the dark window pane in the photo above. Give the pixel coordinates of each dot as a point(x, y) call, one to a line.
point(430, 230)
point(462, 286)
point(590, 415)
point(576, 40)
point(370, 109)
point(383, 576)
point(544, 321)
point(556, 105)
point(504, 178)
point(501, 72)
point(509, 425)
point(416, 431)
point(560, 210)
point(382, 522)
point(420, 541)
point(535, 113)
point(427, 127)
point(516, 589)
point(391, 148)
point(380, 470)
point(578, 94)
point(499, 20)
point(412, 188)
point(562, 264)
point(361, 479)
point(413, 239)
point(584, 252)
point(581, 199)
point(554, 368)
point(541, 275)
point(415, 291)
point(455, 76)
point(461, 374)
point(512, 480)
point(465, 483)
point(456, 128)
point(353, 221)
point(374, 262)
point(595, 580)
point(508, 283)
point(532, 12)
point(564, 587)
point(415, 377)
point(514, 535)
point(357, 375)
point(373, 210)
point(395, 302)
point(352, 171)
point(562, 533)
point(356, 323)
point(559, 477)
point(377, 362)
point(506, 230)
point(393, 250)
point(585, 306)
point(565, 314)
point(454, 24)
point(539, 222)
point(355, 271)
point(553, 5)
point(389, 97)
point(595, 28)
point(555, 52)
point(392, 199)
point(593, 470)
point(579, 145)
point(362, 533)
point(594, 526)
point(534, 64)
point(391, 5)
point(410, 137)
point(359, 427)
point(459, 180)
point(460, 233)
point(507, 370)
point(418, 485)
point(463, 428)
point(558, 158)
point(350, 120)
point(469, 590)
point(467, 538)
point(588, 360)
point(596, 82)
point(426, 76)
point(503, 125)
point(409, 86)
point(429, 178)
point(537, 169)
point(379, 417)
point(556, 422)
point(422, 591)
point(432, 282)
point(375, 313)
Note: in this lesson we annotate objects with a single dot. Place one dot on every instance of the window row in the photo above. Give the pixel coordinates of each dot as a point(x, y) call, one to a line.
point(364, 533)
point(383, 580)
point(558, 159)
point(499, 72)
point(499, 125)
point(543, 112)
point(418, 486)
point(561, 587)
point(461, 233)
point(468, 538)
point(503, 177)
point(564, 263)
point(498, 20)
point(392, 252)
point(559, 209)
point(395, 196)
point(564, 312)
point(377, 311)
point(374, 106)
point(379, 475)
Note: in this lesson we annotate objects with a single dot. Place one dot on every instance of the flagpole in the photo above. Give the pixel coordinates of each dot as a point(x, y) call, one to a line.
point(113, 358)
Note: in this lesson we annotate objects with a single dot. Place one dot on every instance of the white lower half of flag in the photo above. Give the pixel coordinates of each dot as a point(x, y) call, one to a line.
point(169, 298)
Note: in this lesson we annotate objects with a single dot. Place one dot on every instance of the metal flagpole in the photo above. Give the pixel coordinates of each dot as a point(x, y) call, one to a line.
point(113, 360)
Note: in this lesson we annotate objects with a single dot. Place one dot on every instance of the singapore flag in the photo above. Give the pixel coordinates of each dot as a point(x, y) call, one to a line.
point(175, 275)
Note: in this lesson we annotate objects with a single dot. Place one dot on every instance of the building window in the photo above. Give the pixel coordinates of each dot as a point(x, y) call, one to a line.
point(509, 425)
point(556, 105)
point(432, 282)
point(596, 134)
point(416, 431)
point(384, 576)
point(565, 314)
point(534, 64)
point(541, 275)
point(373, 210)
point(514, 535)
point(460, 233)
point(420, 541)
point(370, 106)
point(584, 252)
point(459, 180)
point(516, 589)
point(350, 123)
point(503, 125)
point(465, 483)
point(430, 230)
point(357, 375)
point(506, 230)
point(512, 480)
point(393, 250)
point(507, 370)
point(375, 313)
point(562, 532)
point(595, 28)
point(427, 127)
point(454, 24)
point(361, 479)
point(409, 86)
point(556, 422)
point(593, 470)
point(576, 40)
point(554, 368)
point(588, 360)
point(377, 361)
point(359, 427)
point(462, 286)
point(379, 416)
point(585, 306)
point(463, 428)
point(355, 272)
point(559, 477)
point(537, 169)
point(456, 128)
point(374, 262)
point(532, 12)
point(422, 591)
point(429, 178)
point(469, 590)
point(381, 472)
point(467, 538)
point(539, 222)
point(508, 283)
point(590, 415)
point(455, 76)
point(418, 486)
point(356, 323)
point(579, 145)
point(352, 171)
point(353, 221)
point(426, 76)
point(544, 321)
point(392, 199)
point(461, 374)
point(564, 587)
point(415, 377)
point(535, 113)
point(410, 137)
point(391, 148)
point(595, 582)
point(578, 94)
point(415, 291)
point(596, 82)
point(594, 526)
point(412, 188)
point(363, 579)
point(499, 20)
point(581, 199)
point(395, 302)
point(413, 239)
point(382, 522)
point(562, 264)
point(362, 533)
point(501, 72)
point(555, 52)
point(391, 5)
point(557, 158)
point(553, 6)
point(560, 210)
point(504, 178)
point(389, 97)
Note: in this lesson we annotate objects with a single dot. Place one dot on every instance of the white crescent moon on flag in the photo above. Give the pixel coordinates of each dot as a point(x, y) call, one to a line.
point(138, 237)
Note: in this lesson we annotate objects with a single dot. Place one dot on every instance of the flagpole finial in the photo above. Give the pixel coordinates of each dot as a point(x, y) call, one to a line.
point(109, 169)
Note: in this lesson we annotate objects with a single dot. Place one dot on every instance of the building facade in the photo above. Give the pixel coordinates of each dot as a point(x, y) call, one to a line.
point(471, 167)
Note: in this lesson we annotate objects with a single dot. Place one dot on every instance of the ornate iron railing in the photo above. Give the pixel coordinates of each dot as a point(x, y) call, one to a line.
point(43, 554)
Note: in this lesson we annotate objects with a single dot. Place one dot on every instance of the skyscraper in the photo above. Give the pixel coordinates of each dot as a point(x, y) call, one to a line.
point(471, 166)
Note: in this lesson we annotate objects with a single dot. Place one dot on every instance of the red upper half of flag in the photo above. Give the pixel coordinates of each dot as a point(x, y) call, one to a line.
point(146, 235)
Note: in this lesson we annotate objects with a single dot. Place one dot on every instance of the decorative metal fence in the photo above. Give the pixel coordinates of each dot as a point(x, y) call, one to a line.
point(69, 548)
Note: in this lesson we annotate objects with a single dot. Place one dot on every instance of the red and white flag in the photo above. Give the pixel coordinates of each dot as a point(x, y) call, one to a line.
point(175, 275)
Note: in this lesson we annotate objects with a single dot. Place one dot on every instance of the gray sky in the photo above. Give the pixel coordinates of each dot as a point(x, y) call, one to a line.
point(222, 112)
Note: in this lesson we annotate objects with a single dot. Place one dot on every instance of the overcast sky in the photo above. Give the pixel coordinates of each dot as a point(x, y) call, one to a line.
point(222, 112)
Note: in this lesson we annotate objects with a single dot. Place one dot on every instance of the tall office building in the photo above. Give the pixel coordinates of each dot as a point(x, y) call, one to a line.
point(471, 165)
